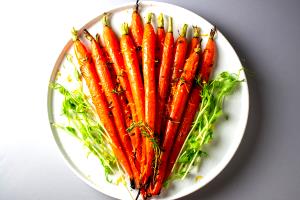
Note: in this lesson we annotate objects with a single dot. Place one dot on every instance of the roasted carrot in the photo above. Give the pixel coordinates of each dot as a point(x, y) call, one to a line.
point(132, 68)
point(195, 40)
point(118, 89)
point(136, 31)
point(193, 104)
point(148, 50)
point(89, 73)
point(113, 49)
point(179, 55)
point(109, 89)
point(164, 76)
point(179, 60)
point(178, 104)
point(160, 38)
point(135, 79)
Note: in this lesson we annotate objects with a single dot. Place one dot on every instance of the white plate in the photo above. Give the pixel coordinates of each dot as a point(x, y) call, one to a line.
point(228, 134)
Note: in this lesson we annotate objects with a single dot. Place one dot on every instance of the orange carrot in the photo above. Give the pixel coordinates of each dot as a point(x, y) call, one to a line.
point(179, 55)
point(136, 31)
point(195, 40)
point(135, 79)
point(148, 51)
point(179, 60)
point(164, 76)
point(113, 49)
point(160, 38)
point(118, 89)
point(108, 87)
point(193, 104)
point(178, 104)
point(89, 73)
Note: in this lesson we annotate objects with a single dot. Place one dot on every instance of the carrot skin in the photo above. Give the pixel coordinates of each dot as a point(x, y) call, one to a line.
point(194, 41)
point(135, 81)
point(179, 60)
point(184, 128)
point(89, 73)
point(207, 63)
point(108, 87)
point(179, 55)
point(129, 111)
point(159, 49)
point(112, 47)
point(148, 50)
point(160, 38)
point(164, 78)
point(134, 75)
point(178, 104)
point(183, 87)
point(136, 32)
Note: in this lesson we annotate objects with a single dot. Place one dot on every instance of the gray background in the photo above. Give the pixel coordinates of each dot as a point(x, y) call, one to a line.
point(265, 34)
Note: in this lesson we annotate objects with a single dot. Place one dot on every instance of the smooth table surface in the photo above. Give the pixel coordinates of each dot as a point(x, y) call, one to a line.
point(265, 34)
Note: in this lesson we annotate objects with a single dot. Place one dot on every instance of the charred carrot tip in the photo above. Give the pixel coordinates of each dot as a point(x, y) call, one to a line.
point(74, 34)
point(213, 32)
point(124, 29)
point(132, 183)
point(160, 20)
point(87, 35)
point(170, 25)
point(105, 20)
point(183, 30)
point(137, 5)
point(149, 18)
point(196, 31)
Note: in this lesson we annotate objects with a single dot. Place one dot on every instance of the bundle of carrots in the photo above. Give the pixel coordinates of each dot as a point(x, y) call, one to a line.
point(146, 88)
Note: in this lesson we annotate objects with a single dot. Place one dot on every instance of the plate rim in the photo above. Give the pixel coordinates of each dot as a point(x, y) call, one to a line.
point(223, 163)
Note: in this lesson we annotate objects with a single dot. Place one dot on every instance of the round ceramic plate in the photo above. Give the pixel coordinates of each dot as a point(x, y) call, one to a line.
point(228, 134)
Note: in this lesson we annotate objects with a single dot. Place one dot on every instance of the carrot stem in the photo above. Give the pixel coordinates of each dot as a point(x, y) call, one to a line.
point(105, 20)
point(74, 33)
point(124, 29)
point(149, 18)
point(183, 30)
point(170, 25)
point(160, 20)
point(196, 31)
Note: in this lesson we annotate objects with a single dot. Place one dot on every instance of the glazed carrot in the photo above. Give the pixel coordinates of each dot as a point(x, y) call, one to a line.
point(148, 50)
point(109, 89)
point(113, 49)
point(89, 73)
point(209, 55)
point(195, 40)
point(160, 38)
point(207, 63)
point(179, 60)
point(136, 31)
point(118, 90)
point(135, 78)
point(164, 76)
point(178, 104)
point(179, 55)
